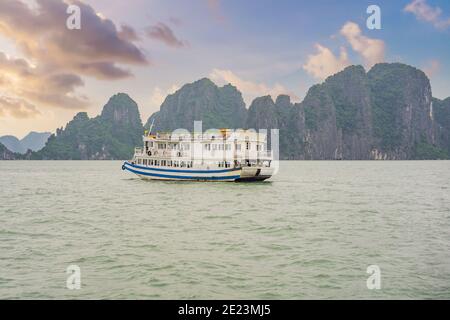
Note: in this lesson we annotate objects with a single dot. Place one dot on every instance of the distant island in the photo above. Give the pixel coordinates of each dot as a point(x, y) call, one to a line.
point(33, 141)
point(387, 113)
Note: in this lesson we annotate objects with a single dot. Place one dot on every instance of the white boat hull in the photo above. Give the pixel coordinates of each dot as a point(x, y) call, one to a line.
point(236, 174)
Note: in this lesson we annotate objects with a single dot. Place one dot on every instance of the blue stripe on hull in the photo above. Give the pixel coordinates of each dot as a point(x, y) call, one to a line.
point(167, 176)
point(182, 171)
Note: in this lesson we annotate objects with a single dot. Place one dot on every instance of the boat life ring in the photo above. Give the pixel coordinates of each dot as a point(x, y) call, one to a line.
point(149, 153)
point(123, 167)
point(156, 152)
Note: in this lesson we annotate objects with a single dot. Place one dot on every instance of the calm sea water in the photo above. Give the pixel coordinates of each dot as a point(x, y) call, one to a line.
point(310, 232)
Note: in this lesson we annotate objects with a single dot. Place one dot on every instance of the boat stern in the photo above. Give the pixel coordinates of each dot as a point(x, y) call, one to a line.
point(257, 173)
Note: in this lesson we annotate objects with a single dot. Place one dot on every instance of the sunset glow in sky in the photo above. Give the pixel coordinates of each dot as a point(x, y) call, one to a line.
point(150, 48)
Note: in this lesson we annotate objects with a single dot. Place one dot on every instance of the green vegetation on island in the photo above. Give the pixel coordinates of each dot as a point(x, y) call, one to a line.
point(385, 113)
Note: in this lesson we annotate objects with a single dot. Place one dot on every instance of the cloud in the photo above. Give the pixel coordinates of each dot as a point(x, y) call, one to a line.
point(371, 50)
point(427, 13)
point(324, 63)
point(216, 10)
point(176, 21)
point(55, 58)
point(158, 95)
point(127, 33)
point(431, 68)
point(14, 66)
point(249, 89)
point(17, 108)
point(39, 86)
point(42, 36)
point(104, 71)
point(164, 33)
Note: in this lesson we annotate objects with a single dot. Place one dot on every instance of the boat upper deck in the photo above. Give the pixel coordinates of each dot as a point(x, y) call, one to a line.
point(223, 144)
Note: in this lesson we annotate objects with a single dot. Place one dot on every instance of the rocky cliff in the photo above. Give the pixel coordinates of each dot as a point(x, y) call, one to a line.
point(386, 113)
point(441, 117)
point(202, 100)
point(6, 154)
point(111, 135)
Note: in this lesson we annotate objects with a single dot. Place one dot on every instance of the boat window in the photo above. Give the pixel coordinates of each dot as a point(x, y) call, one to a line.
point(145, 162)
point(247, 145)
point(182, 164)
point(238, 147)
point(228, 146)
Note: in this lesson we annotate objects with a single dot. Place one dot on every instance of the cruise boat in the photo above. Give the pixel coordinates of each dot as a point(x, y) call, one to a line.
point(216, 155)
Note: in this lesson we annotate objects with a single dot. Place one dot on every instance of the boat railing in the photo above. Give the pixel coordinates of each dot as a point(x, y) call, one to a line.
point(264, 154)
point(138, 151)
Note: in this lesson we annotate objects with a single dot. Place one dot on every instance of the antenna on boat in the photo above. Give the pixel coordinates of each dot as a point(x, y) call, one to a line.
point(151, 126)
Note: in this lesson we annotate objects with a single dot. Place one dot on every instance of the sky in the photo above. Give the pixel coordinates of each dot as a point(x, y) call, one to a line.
point(150, 48)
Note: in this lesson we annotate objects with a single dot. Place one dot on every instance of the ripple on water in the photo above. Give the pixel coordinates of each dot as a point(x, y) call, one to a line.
point(310, 233)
